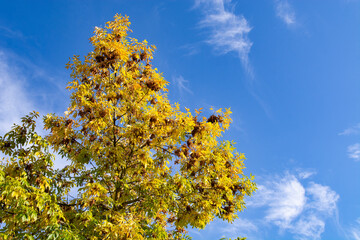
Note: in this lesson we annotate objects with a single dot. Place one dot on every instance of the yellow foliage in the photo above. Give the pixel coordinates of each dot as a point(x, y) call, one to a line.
point(142, 168)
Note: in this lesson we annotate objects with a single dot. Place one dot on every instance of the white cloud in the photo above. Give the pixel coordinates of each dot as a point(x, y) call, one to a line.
point(13, 97)
point(355, 230)
point(240, 227)
point(304, 174)
point(308, 227)
point(323, 198)
point(287, 203)
point(228, 31)
point(285, 12)
point(181, 84)
point(16, 75)
point(354, 151)
point(285, 199)
point(352, 130)
point(10, 33)
point(293, 206)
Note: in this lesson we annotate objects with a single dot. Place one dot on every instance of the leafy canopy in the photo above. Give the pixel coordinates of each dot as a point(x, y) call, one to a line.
point(139, 167)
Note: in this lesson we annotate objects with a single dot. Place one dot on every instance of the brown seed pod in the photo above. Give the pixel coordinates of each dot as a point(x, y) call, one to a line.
point(117, 36)
point(65, 141)
point(142, 56)
point(213, 119)
point(153, 101)
point(29, 167)
point(185, 150)
point(195, 130)
point(99, 58)
point(177, 152)
point(194, 155)
point(151, 84)
point(227, 209)
point(85, 79)
point(91, 202)
point(146, 72)
point(227, 164)
point(104, 72)
point(111, 56)
point(188, 208)
point(189, 143)
point(190, 164)
point(171, 219)
point(118, 96)
point(91, 117)
point(236, 187)
point(102, 113)
point(97, 86)
point(81, 113)
point(213, 183)
point(56, 123)
point(134, 57)
point(116, 131)
point(37, 180)
point(153, 119)
point(92, 138)
point(84, 130)
point(68, 122)
point(128, 63)
point(87, 109)
point(119, 79)
point(94, 70)
point(168, 121)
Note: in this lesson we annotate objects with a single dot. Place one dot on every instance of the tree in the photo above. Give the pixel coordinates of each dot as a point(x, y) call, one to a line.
point(141, 167)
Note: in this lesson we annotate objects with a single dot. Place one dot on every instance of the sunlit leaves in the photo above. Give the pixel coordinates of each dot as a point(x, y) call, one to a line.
point(29, 194)
point(139, 167)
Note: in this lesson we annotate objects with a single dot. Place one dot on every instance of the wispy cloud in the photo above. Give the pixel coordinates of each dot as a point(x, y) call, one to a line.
point(304, 174)
point(287, 203)
point(294, 206)
point(14, 100)
point(308, 227)
point(228, 31)
point(351, 131)
point(322, 199)
point(354, 151)
point(181, 84)
point(355, 230)
point(285, 12)
point(19, 79)
point(285, 200)
point(10, 33)
point(190, 49)
point(240, 227)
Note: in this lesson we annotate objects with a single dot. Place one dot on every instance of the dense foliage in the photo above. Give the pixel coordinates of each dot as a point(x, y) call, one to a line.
point(139, 167)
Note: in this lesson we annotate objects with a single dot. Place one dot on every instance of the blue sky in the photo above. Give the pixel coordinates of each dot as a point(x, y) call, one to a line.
point(288, 69)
